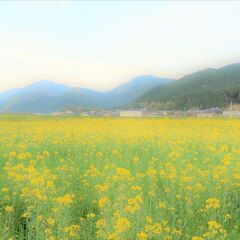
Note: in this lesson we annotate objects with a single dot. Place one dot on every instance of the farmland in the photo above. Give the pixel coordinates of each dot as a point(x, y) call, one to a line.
point(112, 178)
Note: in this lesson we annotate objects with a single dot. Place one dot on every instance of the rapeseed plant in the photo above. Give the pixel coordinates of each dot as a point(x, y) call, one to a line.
point(119, 179)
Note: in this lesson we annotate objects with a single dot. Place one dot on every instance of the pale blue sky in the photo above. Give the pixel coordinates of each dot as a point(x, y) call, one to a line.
point(99, 44)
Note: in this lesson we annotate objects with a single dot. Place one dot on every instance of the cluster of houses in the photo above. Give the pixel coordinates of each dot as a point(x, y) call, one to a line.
point(145, 113)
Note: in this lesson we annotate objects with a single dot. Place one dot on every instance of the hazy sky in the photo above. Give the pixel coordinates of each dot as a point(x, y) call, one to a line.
point(101, 44)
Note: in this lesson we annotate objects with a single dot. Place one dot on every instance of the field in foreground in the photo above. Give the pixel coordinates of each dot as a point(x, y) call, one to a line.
point(86, 178)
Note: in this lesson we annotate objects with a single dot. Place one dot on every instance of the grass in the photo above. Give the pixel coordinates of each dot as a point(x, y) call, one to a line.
point(111, 178)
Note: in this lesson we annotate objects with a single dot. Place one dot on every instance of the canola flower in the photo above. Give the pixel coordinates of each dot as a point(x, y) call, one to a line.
point(66, 199)
point(106, 178)
point(9, 209)
point(212, 203)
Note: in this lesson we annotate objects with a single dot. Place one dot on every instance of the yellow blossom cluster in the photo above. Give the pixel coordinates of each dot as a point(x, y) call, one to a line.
point(116, 179)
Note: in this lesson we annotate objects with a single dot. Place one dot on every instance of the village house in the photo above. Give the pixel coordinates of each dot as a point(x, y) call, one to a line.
point(131, 114)
point(231, 113)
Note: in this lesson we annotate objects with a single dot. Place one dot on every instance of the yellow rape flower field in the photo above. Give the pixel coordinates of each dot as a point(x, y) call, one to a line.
point(119, 179)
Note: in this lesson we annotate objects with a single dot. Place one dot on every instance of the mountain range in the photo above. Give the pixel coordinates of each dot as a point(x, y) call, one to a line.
point(45, 96)
point(203, 89)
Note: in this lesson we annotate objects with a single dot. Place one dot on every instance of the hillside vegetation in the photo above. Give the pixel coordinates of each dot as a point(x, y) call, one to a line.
point(203, 89)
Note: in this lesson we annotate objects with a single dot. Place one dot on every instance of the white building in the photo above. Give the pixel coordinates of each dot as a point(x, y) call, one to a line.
point(131, 114)
point(204, 114)
point(231, 113)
